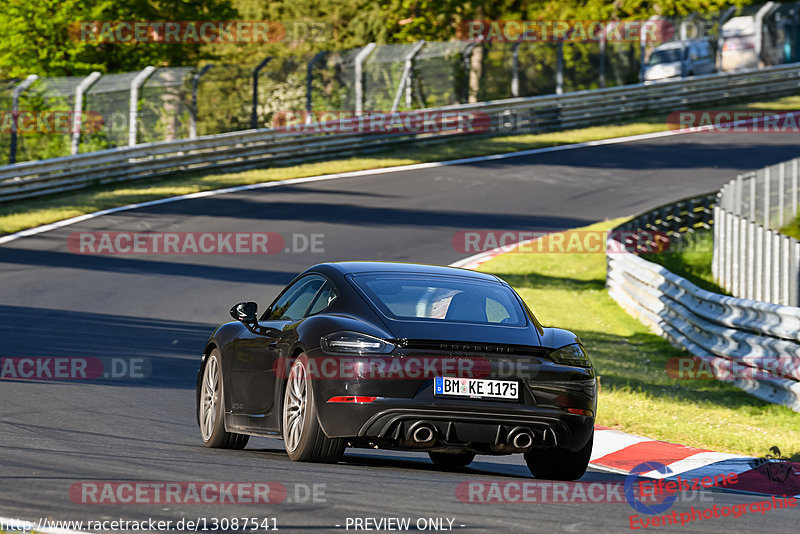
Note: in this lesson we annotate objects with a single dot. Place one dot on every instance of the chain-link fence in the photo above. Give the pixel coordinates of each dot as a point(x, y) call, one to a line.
point(181, 102)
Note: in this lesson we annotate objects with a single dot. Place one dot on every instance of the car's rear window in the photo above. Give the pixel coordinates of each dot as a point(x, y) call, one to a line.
point(441, 298)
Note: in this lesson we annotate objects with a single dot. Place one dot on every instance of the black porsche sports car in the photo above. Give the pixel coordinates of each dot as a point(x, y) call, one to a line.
point(400, 356)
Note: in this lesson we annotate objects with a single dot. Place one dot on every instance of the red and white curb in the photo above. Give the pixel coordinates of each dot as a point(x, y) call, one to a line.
point(620, 452)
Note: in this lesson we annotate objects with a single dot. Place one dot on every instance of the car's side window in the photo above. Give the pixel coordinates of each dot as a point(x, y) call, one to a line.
point(294, 302)
point(324, 299)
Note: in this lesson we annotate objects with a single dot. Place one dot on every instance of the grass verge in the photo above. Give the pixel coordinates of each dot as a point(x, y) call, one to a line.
point(691, 259)
point(637, 395)
point(792, 229)
point(20, 215)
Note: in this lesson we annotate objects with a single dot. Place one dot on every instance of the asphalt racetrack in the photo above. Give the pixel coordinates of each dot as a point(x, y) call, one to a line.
point(160, 309)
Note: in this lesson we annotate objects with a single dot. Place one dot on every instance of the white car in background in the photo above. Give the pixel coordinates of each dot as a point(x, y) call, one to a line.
point(678, 59)
point(738, 44)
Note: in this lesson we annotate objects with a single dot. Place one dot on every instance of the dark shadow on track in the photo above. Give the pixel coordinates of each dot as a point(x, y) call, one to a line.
point(133, 351)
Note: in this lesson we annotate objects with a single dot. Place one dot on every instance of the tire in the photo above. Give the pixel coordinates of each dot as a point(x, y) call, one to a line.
point(303, 437)
point(212, 408)
point(559, 464)
point(452, 460)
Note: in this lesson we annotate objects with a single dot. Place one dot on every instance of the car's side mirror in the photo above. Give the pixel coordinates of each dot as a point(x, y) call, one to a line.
point(246, 312)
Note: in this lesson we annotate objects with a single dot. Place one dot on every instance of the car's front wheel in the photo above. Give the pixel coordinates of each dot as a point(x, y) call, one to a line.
point(559, 464)
point(212, 409)
point(302, 435)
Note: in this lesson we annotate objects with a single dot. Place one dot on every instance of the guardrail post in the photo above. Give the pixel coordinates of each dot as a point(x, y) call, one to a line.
point(193, 111)
point(359, 77)
point(560, 67)
point(18, 90)
point(405, 79)
point(133, 116)
point(309, 80)
point(84, 86)
point(254, 105)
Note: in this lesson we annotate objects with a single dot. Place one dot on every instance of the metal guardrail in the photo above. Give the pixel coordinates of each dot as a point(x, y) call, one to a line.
point(761, 339)
point(751, 259)
point(262, 147)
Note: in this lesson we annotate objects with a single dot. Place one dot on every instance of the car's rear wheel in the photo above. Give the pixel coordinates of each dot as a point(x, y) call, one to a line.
point(559, 464)
point(302, 435)
point(212, 409)
point(452, 460)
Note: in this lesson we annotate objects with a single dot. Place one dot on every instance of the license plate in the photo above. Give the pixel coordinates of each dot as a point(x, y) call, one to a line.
point(445, 386)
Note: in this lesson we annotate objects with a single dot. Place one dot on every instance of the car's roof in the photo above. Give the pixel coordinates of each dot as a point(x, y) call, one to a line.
point(362, 267)
point(679, 44)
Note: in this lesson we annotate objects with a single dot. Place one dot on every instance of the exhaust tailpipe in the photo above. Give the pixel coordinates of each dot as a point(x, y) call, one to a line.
point(520, 438)
point(421, 435)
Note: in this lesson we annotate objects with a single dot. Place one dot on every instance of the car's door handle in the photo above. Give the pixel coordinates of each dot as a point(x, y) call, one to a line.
point(273, 345)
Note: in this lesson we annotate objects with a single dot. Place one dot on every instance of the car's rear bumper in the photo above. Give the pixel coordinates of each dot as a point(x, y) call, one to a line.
point(478, 424)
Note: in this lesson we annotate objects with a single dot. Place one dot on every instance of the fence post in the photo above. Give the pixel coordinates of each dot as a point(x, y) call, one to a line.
point(767, 293)
point(715, 242)
point(309, 84)
point(723, 17)
point(84, 86)
point(602, 80)
point(515, 68)
point(193, 111)
point(758, 274)
point(736, 251)
point(796, 275)
point(560, 67)
point(18, 90)
point(781, 192)
point(359, 77)
point(405, 79)
point(753, 198)
point(133, 112)
point(794, 188)
point(767, 177)
point(776, 268)
point(752, 230)
point(786, 265)
point(758, 26)
point(254, 105)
